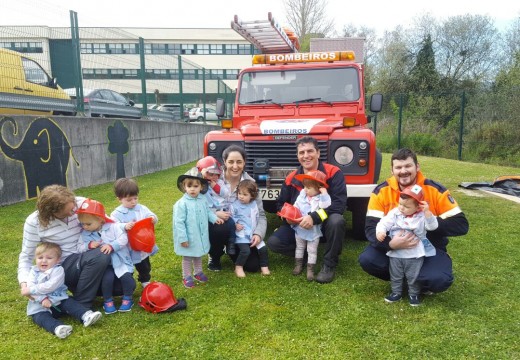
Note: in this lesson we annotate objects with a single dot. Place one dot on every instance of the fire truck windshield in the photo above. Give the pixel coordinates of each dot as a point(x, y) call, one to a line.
point(291, 86)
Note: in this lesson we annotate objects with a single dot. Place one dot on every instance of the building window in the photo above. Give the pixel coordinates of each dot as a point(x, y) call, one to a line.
point(86, 48)
point(244, 49)
point(231, 49)
point(131, 73)
point(101, 74)
point(25, 47)
point(122, 48)
point(216, 74)
point(88, 73)
point(174, 49)
point(189, 74)
point(216, 49)
point(158, 49)
point(187, 49)
point(129, 48)
point(174, 74)
point(117, 73)
point(203, 49)
point(99, 48)
point(231, 74)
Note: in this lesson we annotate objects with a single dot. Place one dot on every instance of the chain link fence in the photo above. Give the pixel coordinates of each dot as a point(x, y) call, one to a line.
point(475, 126)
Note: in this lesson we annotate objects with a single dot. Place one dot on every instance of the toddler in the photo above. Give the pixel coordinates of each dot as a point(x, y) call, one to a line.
point(217, 196)
point(101, 231)
point(313, 197)
point(245, 214)
point(47, 294)
point(412, 214)
point(191, 215)
point(130, 211)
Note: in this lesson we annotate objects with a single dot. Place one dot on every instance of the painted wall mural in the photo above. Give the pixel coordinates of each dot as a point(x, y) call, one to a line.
point(43, 150)
point(118, 136)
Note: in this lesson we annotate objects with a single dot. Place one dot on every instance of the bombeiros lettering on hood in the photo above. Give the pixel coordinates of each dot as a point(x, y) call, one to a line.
point(289, 126)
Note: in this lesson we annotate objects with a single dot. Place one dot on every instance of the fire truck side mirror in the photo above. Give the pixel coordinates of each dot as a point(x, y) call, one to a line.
point(376, 102)
point(220, 107)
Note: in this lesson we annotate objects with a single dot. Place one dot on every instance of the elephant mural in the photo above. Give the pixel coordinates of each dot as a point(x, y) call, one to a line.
point(44, 152)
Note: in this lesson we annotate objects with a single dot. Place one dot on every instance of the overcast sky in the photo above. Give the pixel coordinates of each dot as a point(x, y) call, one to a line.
point(378, 14)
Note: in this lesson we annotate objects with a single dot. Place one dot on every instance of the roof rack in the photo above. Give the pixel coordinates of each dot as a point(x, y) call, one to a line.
point(266, 35)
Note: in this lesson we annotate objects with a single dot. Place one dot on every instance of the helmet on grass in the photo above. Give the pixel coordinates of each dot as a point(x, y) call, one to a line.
point(158, 297)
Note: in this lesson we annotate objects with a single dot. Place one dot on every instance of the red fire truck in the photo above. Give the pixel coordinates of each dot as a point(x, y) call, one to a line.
point(287, 95)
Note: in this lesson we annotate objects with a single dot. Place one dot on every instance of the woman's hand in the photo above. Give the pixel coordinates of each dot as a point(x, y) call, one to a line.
point(224, 215)
point(403, 240)
point(25, 291)
point(255, 240)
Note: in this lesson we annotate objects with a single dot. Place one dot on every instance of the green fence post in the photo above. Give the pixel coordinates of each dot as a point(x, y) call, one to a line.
point(76, 56)
point(181, 76)
point(461, 127)
point(144, 101)
point(400, 121)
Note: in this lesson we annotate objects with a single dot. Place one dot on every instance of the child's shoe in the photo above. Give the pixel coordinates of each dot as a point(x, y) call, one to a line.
point(90, 318)
point(239, 271)
point(265, 271)
point(62, 331)
point(109, 307)
point(393, 298)
point(188, 282)
point(414, 300)
point(126, 304)
point(145, 284)
point(201, 277)
point(310, 272)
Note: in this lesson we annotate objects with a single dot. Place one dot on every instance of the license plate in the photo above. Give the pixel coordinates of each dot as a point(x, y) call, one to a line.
point(269, 194)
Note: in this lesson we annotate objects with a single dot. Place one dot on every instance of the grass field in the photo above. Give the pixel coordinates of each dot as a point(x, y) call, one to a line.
point(286, 317)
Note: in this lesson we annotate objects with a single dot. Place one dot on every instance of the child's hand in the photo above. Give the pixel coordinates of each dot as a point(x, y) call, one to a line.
point(46, 303)
point(219, 221)
point(380, 236)
point(129, 225)
point(106, 249)
point(204, 173)
point(425, 207)
point(323, 190)
point(185, 244)
point(239, 226)
point(93, 244)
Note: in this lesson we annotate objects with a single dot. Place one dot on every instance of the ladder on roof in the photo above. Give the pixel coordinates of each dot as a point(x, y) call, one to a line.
point(266, 35)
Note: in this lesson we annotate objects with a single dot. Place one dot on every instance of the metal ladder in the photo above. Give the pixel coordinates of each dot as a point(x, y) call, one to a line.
point(266, 35)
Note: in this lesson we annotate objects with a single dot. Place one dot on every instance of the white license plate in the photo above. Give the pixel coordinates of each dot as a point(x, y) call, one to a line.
point(269, 194)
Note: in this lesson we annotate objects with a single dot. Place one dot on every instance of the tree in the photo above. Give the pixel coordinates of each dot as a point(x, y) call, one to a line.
point(467, 50)
point(424, 76)
point(308, 17)
point(370, 48)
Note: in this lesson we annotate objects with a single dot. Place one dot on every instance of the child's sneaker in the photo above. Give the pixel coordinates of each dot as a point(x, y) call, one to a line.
point(414, 300)
point(126, 304)
point(393, 298)
point(188, 282)
point(90, 317)
point(62, 331)
point(109, 307)
point(145, 284)
point(200, 277)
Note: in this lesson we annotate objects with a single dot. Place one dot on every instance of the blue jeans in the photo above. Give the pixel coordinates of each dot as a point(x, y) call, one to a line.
point(49, 320)
point(107, 286)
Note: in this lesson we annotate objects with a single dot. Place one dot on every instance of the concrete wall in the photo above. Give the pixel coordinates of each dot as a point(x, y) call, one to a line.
point(79, 152)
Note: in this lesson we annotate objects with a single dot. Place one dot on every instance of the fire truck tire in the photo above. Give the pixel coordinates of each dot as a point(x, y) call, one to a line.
point(358, 207)
point(269, 206)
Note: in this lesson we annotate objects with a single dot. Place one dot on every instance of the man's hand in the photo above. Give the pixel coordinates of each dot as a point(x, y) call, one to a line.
point(307, 222)
point(46, 303)
point(403, 240)
point(224, 215)
point(106, 249)
point(255, 240)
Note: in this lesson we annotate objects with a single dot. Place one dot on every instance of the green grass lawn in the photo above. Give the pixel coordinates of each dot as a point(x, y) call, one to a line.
point(286, 317)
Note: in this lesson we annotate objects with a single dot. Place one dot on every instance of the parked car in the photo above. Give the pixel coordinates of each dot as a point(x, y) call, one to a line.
point(26, 88)
point(174, 108)
point(197, 114)
point(107, 103)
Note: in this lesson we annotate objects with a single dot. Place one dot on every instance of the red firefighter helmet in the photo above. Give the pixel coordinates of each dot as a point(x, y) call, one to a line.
point(142, 236)
point(95, 208)
point(158, 297)
point(210, 164)
point(415, 192)
point(290, 212)
point(315, 175)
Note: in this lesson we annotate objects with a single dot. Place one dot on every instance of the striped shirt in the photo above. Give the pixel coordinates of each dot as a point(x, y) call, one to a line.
point(64, 233)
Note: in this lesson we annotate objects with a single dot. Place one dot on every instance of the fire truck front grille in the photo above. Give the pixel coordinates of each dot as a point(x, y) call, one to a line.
point(281, 155)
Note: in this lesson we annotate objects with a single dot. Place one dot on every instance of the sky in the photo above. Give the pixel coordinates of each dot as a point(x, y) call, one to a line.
point(381, 15)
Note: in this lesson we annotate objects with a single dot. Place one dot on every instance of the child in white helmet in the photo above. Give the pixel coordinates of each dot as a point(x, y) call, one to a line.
point(48, 296)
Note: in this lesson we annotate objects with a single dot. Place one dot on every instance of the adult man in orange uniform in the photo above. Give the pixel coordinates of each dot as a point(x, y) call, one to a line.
point(436, 274)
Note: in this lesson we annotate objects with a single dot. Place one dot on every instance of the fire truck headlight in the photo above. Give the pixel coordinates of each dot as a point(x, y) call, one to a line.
point(212, 146)
point(343, 155)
